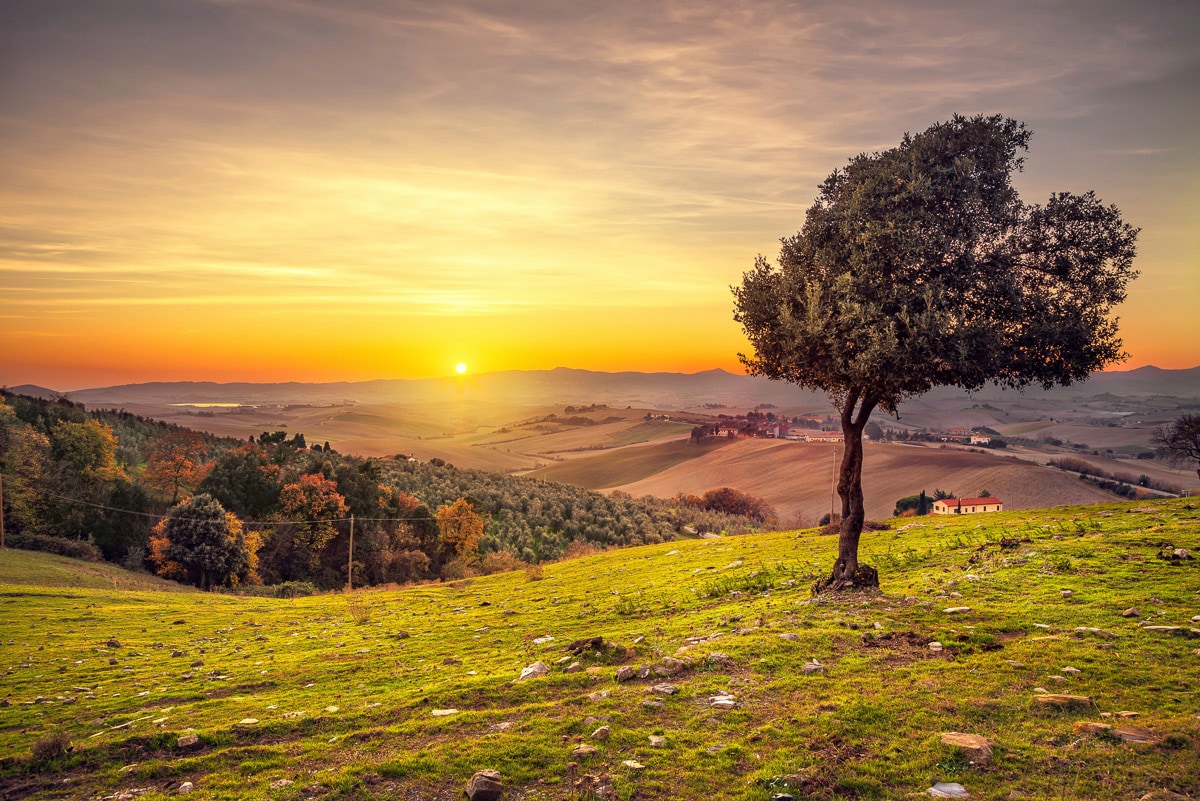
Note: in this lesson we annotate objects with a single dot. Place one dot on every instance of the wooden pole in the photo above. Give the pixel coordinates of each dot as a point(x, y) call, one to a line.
point(1, 511)
point(350, 563)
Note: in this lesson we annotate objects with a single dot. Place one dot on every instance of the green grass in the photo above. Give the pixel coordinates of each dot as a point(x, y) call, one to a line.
point(865, 728)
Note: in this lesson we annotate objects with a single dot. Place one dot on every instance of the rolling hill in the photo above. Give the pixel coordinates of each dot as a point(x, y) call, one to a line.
point(797, 477)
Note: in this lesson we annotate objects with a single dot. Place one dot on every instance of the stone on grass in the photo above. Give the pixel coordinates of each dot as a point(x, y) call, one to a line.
point(625, 673)
point(1066, 593)
point(113, 643)
point(586, 644)
point(1131, 612)
point(1090, 727)
point(583, 749)
point(657, 742)
point(1052, 699)
point(954, 610)
point(601, 733)
point(669, 666)
point(186, 788)
point(187, 741)
point(1136, 735)
point(536, 670)
point(248, 722)
point(948, 790)
point(444, 713)
point(485, 785)
point(574, 667)
point(722, 702)
point(664, 689)
point(1093, 630)
point(1072, 670)
point(633, 764)
point(812, 668)
point(974, 748)
point(935, 647)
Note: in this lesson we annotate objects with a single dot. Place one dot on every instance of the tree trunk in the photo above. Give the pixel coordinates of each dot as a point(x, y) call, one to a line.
point(847, 573)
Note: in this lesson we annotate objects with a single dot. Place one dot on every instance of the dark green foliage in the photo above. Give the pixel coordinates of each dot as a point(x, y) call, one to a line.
point(76, 549)
point(203, 541)
point(919, 267)
point(919, 504)
point(245, 481)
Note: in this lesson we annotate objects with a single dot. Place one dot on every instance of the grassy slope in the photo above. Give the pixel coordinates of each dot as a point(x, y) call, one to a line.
point(867, 728)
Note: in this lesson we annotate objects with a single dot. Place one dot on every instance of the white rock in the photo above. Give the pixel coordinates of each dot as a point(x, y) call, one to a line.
point(444, 713)
point(185, 788)
point(534, 671)
point(936, 647)
point(948, 790)
point(953, 610)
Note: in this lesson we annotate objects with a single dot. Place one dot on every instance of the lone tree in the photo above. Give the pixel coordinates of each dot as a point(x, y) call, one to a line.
point(1179, 443)
point(200, 542)
point(920, 266)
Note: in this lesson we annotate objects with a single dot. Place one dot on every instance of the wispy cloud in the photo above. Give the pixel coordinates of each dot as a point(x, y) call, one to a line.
point(464, 159)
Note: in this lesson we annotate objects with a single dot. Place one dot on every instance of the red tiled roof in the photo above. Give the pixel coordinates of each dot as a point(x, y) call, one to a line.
point(970, 501)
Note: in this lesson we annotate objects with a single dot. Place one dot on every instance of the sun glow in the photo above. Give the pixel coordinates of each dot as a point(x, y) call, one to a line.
point(460, 368)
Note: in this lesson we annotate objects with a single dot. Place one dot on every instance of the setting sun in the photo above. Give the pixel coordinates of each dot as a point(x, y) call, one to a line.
point(460, 368)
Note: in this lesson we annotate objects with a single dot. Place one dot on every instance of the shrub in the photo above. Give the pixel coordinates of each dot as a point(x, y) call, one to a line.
point(76, 549)
point(500, 562)
point(50, 747)
point(293, 589)
point(534, 573)
point(579, 549)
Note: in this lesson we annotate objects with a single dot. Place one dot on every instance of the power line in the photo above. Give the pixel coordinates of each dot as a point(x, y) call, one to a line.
point(244, 522)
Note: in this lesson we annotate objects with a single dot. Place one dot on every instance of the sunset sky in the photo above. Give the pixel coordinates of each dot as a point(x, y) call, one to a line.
point(267, 190)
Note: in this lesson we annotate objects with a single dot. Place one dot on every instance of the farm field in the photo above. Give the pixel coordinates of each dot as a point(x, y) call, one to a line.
point(797, 477)
point(407, 693)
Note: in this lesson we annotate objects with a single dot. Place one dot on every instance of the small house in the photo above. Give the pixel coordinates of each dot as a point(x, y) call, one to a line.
point(967, 506)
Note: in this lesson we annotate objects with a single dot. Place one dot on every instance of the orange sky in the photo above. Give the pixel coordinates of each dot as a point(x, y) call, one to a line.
point(274, 190)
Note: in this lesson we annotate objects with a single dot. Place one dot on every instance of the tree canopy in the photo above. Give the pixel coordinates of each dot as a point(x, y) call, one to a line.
point(1179, 442)
point(920, 266)
point(200, 542)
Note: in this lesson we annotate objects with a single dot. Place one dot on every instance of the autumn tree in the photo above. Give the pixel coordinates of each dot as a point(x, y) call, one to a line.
point(199, 542)
point(919, 267)
point(1179, 442)
point(459, 527)
point(176, 463)
point(311, 505)
point(24, 458)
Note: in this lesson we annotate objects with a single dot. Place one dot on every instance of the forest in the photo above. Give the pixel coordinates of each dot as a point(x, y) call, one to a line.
point(275, 510)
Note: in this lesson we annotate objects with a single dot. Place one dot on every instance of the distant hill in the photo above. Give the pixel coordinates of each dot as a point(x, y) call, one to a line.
point(564, 386)
point(34, 391)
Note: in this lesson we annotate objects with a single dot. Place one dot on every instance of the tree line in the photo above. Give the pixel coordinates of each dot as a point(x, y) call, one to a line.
point(216, 511)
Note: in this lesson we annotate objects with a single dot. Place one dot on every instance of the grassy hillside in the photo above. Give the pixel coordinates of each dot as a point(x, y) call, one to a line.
point(405, 694)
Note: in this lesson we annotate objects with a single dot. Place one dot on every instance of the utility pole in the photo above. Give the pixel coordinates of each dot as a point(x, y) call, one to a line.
point(350, 563)
point(1, 511)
